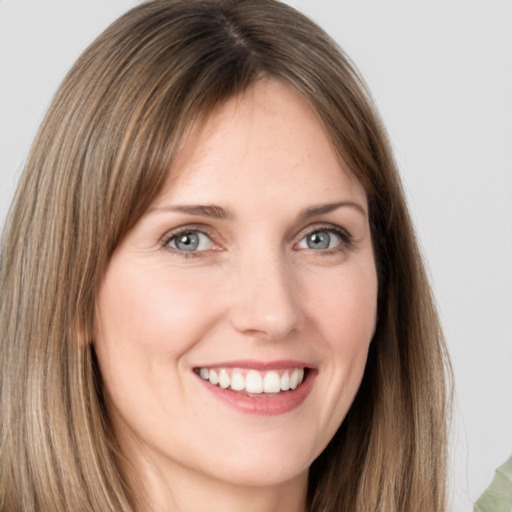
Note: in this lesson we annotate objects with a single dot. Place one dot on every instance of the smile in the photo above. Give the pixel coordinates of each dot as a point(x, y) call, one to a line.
point(260, 388)
point(253, 382)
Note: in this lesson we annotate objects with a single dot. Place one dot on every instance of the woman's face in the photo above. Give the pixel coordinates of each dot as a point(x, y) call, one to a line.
point(251, 271)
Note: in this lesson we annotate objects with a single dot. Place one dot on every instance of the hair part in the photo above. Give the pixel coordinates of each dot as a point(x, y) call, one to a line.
point(102, 154)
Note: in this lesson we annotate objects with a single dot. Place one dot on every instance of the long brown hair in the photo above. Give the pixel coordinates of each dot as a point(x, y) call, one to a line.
point(101, 155)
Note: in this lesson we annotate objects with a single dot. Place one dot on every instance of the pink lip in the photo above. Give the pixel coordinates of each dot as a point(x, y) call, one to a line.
point(282, 364)
point(263, 405)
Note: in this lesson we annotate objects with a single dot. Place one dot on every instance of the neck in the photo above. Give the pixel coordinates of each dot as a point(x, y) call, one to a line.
point(184, 490)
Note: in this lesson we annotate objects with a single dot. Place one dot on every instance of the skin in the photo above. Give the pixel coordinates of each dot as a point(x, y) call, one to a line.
point(254, 290)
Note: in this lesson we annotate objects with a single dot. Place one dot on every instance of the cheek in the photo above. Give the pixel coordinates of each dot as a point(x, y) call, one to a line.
point(346, 316)
point(147, 320)
point(151, 313)
point(347, 307)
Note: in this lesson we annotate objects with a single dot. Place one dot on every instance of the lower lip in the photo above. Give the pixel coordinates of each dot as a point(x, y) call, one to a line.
point(281, 403)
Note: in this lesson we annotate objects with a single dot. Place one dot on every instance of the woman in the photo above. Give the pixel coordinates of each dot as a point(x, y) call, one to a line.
point(212, 294)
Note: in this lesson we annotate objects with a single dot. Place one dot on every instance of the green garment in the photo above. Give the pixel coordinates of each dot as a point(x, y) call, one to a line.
point(498, 496)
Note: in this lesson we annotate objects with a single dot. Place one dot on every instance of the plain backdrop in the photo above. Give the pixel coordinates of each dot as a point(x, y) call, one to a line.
point(441, 75)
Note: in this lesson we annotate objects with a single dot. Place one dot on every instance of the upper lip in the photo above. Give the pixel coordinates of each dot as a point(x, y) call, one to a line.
point(250, 364)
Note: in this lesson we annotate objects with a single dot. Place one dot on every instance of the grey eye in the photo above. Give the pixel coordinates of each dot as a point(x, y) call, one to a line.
point(319, 240)
point(191, 241)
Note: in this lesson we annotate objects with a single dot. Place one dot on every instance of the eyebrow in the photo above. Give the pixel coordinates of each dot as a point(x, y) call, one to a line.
point(200, 210)
point(220, 213)
point(313, 211)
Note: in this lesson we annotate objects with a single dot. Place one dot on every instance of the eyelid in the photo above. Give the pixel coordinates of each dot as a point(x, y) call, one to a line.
point(343, 233)
point(324, 227)
point(347, 240)
point(184, 229)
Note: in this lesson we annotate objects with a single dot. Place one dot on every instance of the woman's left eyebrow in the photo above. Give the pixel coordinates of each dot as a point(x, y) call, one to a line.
point(313, 211)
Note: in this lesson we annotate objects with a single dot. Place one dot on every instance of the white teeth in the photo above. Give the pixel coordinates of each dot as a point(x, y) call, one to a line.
point(285, 381)
point(214, 378)
point(224, 380)
point(253, 381)
point(296, 378)
point(237, 381)
point(272, 383)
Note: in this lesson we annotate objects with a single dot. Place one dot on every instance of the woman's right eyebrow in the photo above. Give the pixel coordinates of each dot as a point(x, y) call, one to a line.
point(201, 210)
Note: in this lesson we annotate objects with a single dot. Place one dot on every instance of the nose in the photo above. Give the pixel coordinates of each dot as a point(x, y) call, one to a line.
point(265, 302)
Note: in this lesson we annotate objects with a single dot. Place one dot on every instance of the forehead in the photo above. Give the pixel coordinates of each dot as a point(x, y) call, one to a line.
point(268, 139)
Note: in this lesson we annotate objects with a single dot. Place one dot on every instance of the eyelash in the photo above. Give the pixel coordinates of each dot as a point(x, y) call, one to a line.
point(345, 244)
point(347, 241)
point(186, 230)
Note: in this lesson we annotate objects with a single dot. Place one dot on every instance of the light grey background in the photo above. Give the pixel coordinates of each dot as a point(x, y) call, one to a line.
point(441, 74)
